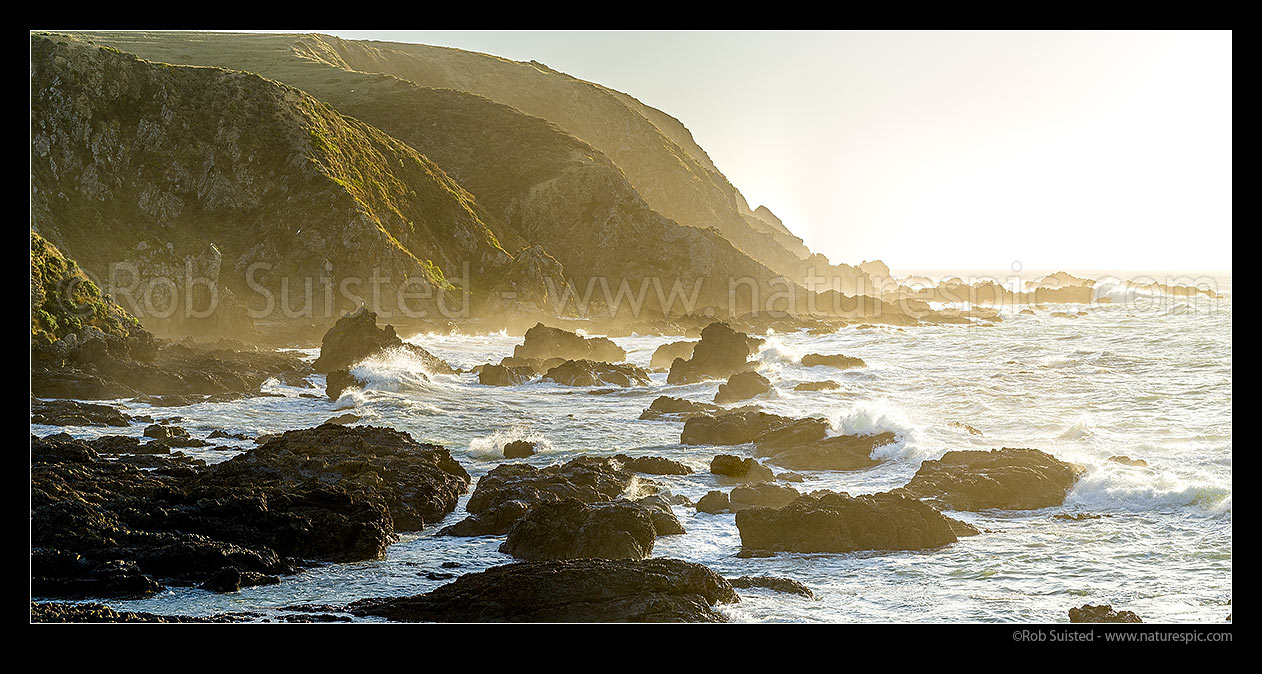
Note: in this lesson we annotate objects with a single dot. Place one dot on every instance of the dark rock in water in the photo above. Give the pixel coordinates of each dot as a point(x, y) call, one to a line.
point(714, 502)
point(762, 495)
point(826, 385)
point(505, 493)
point(667, 353)
point(571, 529)
point(231, 580)
point(1128, 461)
point(734, 468)
point(544, 342)
point(437, 575)
point(1007, 479)
point(1076, 517)
point(721, 353)
point(742, 386)
point(1104, 613)
point(173, 436)
point(519, 449)
point(73, 413)
point(338, 381)
point(451, 565)
point(126, 444)
point(534, 365)
point(785, 585)
point(344, 419)
point(103, 528)
point(842, 452)
point(652, 465)
point(356, 336)
point(790, 477)
point(593, 373)
point(676, 409)
point(964, 427)
point(663, 516)
point(732, 428)
point(832, 360)
point(221, 434)
point(837, 522)
point(578, 590)
point(754, 553)
point(419, 483)
point(502, 375)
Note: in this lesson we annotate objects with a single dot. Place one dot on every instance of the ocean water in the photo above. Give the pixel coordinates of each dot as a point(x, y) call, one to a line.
point(1147, 377)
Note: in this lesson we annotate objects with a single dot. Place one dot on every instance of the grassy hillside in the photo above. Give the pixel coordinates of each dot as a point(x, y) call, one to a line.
point(65, 300)
point(154, 164)
point(543, 185)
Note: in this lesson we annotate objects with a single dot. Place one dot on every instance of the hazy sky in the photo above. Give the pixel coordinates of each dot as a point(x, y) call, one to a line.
point(933, 150)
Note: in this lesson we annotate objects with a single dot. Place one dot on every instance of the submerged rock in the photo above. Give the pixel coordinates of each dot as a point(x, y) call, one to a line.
point(1128, 461)
point(666, 354)
point(837, 361)
point(544, 342)
point(826, 385)
point(571, 529)
point(837, 522)
point(579, 590)
point(677, 409)
point(503, 495)
point(742, 386)
point(1104, 613)
point(356, 336)
point(593, 373)
point(1007, 479)
point(785, 585)
point(721, 353)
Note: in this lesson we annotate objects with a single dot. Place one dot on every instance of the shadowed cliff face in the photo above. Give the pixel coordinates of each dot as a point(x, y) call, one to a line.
point(154, 166)
point(544, 186)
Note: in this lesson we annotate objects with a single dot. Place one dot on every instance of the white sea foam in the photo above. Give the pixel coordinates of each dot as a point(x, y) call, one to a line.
point(394, 370)
point(1115, 486)
point(871, 417)
point(491, 447)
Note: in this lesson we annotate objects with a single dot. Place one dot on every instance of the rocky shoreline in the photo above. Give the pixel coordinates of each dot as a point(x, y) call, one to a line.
point(120, 517)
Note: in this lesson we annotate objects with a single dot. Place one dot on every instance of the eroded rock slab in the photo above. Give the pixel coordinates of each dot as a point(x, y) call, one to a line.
point(1006, 479)
point(721, 353)
point(545, 342)
point(580, 590)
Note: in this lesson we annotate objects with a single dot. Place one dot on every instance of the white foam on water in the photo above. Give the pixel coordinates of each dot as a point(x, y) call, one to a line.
point(871, 417)
point(1110, 485)
point(394, 370)
point(491, 447)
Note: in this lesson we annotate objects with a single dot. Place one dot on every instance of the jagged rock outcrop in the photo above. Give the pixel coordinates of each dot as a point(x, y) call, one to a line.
point(742, 386)
point(580, 590)
point(652, 465)
point(804, 444)
point(714, 502)
point(595, 373)
point(837, 361)
point(503, 375)
point(338, 381)
point(1103, 613)
point(356, 336)
point(545, 342)
point(72, 413)
point(1006, 479)
point(571, 529)
point(661, 513)
point(721, 353)
point(838, 522)
point(666, 354)
point(504, 494)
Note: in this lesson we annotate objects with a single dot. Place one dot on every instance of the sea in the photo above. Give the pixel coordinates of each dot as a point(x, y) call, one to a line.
point(1146, 376)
